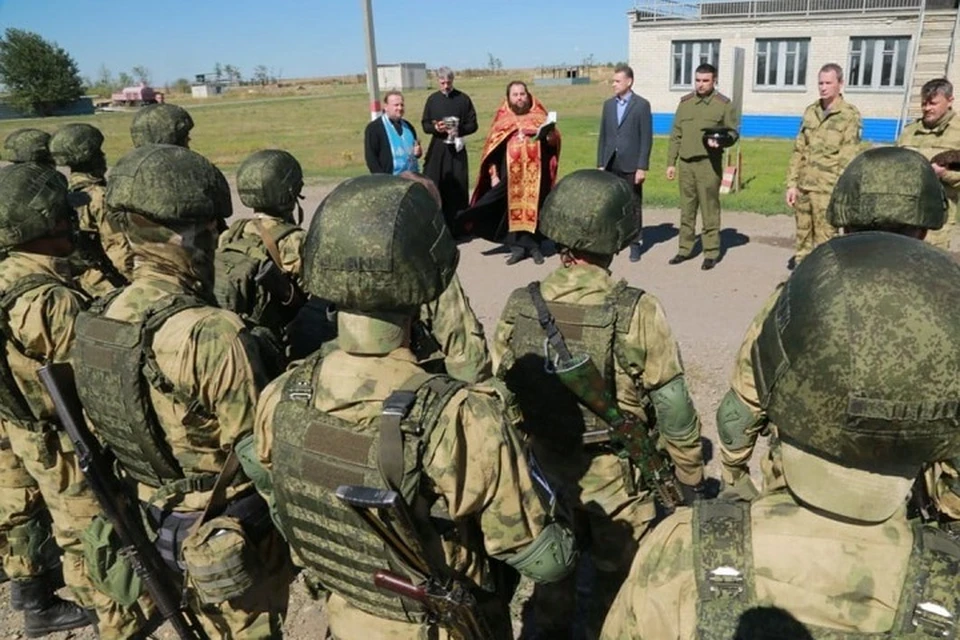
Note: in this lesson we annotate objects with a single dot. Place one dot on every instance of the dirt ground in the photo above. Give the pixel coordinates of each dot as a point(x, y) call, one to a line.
point(708, 312)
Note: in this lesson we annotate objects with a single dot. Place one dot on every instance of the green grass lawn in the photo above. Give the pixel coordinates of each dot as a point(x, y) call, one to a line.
point(324, 130)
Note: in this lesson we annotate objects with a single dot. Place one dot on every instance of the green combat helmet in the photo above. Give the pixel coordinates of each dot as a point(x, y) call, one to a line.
point(28, 145)
point(888, 188)
point(857, 366)
point(76, 144)
point(168, 184)
point(270, 181)
point(33, 200)
point(161, 124)
point(378, 243)
point(590, 210)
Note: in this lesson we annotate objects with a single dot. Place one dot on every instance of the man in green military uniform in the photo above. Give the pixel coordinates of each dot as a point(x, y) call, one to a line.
point(828, 139)
point(701, 163)
point(590, 216)
point(170, 383)
point(936, 131)
point(861, 384)
point(161, 124)
point(39, 308)
point(79, 147)
point(367, 413)
point(884, 189)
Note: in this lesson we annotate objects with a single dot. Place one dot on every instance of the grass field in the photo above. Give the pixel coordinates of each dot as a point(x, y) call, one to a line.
point(324, 130)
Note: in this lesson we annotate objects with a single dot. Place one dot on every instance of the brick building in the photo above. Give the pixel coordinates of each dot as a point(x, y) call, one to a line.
point(887, 48)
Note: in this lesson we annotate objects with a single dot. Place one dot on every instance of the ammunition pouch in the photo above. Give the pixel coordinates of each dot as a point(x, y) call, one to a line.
point(108, 569)
point(550, 557)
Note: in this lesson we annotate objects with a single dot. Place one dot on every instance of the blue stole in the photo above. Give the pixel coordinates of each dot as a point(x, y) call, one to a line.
point(401, 147)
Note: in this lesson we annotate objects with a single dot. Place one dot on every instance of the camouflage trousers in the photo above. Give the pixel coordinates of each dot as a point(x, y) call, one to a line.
point(810, 211)
point(610, 523)
point(48, 458)
point(258, 614)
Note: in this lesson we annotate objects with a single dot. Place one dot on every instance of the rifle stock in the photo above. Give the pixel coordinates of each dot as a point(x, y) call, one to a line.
point(119, 508)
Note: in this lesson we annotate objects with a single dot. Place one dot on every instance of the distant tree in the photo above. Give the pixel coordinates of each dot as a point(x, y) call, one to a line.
point(588, 61)
point(38, 75)
point(493, 63)
point(181, 85)
point(232, 73)
point(141, 74)
point(124, 80)
point(260, 75)
point(218, 71)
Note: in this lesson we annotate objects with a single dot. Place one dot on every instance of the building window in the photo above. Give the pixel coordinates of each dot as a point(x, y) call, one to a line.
point(690, 54)
point(782, 63)
point(878, 63)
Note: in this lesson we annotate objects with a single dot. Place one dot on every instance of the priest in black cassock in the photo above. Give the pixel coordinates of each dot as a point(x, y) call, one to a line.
point(446, 161)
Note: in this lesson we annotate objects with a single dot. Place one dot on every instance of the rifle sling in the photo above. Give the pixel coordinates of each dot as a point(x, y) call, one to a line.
point(269, 243)
point(547, 321)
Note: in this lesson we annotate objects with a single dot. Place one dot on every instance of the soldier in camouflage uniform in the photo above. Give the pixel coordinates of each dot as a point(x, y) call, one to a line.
point(937, 130)
point(862, 384)
point(161, 124)
point(27, 145)
point(885, 189)
point(828, 139)
point(701, 164)
point(170, 383)
point(79, 147)
point(624, 330)
point(449, 448)
point(39, 309)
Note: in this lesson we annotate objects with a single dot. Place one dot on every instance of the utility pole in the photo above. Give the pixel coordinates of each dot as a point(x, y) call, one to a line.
point(373, 87)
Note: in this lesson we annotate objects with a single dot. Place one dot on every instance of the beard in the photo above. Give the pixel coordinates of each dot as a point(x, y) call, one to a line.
point(521, 109)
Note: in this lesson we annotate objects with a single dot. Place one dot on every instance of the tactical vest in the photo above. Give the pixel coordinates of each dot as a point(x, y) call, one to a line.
point(236, 264)
point(314, 453)
point(723, 561)
point(551, 412)
point(13, 404)
point(115, 369)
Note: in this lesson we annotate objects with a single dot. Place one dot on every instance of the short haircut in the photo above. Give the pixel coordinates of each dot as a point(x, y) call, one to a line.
point(937, 86)
point(706, 67)
point(625, 69)
point(515, 83)
point(389, 94)
point(445, 73)
point(832, 66)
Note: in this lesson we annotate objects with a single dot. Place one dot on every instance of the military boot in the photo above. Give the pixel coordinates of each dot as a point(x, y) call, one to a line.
point(44, 611)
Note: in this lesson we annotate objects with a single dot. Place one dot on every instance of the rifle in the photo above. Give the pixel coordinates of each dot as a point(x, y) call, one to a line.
point(627, 435)
point(447, 601)
point(119, 508)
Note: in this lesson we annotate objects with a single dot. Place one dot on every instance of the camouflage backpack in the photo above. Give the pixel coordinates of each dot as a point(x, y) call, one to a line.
point(238, 262)
point(723, 562)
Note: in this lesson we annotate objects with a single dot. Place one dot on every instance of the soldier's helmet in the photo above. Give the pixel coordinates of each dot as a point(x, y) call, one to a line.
point(857, 366)
point(270, 181)
point(161, 124)
point(33, 200)
point(169, 185)
point(76, 144)
point(378, 243)
point(886, 189)
point(590, 210)
point(27, 145)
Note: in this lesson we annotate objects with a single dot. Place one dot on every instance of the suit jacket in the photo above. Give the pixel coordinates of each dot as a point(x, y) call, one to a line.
point(627, 144)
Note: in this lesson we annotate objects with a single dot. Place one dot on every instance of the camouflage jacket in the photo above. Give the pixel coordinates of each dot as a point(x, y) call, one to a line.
point(825, 572)
point(471, 460)
point(825, 144)
point(290, 245)
point(693, 115)
point(649, 347)
point(454, 325)
point(41, 322)
point(207, 353)
point(943, 136)
point(93, 216)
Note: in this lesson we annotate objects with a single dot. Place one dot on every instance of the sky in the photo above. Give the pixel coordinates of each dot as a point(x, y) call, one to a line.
point(309, 38)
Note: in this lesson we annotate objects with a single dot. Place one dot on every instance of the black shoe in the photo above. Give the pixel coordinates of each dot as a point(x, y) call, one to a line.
point(536, 255)
point(677, 259)
point(44, 611)
point(636, 250)
point(792, 263)
point(709, 263)
point(517, 254)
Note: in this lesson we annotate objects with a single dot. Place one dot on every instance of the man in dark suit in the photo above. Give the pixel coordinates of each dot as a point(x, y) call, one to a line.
point(626, 137)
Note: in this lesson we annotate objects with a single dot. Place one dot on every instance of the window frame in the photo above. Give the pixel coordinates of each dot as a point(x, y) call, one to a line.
point(873, 49)
point(696, 58)
point(781, 46)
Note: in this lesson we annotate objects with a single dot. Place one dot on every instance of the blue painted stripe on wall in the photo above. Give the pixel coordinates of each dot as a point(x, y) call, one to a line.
point(761, 126)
